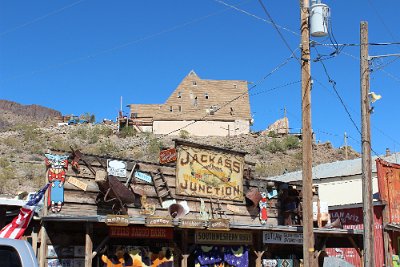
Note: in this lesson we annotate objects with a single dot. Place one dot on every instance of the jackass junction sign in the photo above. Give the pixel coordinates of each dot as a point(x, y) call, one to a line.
point(209, 173)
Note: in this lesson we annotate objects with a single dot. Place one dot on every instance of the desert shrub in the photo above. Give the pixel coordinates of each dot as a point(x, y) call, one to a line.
point(4, 162)
point(291, 142)
point(272, 134)
point(59, 143)
point(127, 132)
point(275, 146)
point(12, 141)
point(80, 132)
point(184, 134)
point(107, 148)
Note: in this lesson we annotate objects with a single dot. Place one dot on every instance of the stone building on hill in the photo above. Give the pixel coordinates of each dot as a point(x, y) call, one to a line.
point(200, 107)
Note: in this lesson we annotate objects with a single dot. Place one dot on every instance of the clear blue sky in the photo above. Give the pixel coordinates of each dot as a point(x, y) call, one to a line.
point(81, 56)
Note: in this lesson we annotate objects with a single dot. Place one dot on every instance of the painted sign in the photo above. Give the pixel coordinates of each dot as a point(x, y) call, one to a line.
point(155, 221)
point(218, 224)
point(168, 155)
point(224, 238)
point(144, 177)
point(191, 223)
point(78, 183)
point(270, 237)
point(209, 173)
point(116, 168)
point(140, 232)
point(117, 220)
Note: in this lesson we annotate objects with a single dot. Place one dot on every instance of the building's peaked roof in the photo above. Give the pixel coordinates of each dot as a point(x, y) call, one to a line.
point(334, 169)
point(192, 73)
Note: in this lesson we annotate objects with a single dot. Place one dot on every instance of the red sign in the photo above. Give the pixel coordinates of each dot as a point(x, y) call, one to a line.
point(168, 155)
point(389, 188)
point(141, 232)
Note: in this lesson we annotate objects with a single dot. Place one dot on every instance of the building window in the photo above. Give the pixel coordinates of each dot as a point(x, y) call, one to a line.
point(170, 109)
point(179, 94)
point(206, 95)
point(180, 108)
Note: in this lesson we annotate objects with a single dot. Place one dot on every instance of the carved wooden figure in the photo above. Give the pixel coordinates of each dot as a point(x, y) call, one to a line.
point(57, 165)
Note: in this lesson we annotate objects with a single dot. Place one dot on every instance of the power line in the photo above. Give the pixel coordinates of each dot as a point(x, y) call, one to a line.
point(40, 18)
point(333, 83)
point(117, 47)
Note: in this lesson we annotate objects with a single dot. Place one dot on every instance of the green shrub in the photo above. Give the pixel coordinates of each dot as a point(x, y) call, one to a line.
point(275, 146)
point(291, 142)
point(127, 131)
point(272, 134)
point(184, 134)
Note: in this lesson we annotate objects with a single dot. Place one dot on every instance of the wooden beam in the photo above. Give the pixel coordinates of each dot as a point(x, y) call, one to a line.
point(88, 245)
point(34, 240)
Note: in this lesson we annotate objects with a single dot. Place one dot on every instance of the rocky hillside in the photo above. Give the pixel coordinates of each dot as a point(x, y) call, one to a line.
point(24, 141)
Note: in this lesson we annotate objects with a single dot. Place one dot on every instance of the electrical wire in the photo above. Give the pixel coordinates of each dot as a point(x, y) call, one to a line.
point(40, 18)
point(114, 48)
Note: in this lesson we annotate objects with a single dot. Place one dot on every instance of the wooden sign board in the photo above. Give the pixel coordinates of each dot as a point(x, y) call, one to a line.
point(223, 238)
point(270, 237)
point(117, 220)
point(168, 155)
point(78, 183)
point(155, 221)
point(141, 232)
point(218, 224)
point(209, 173)
point(191, 223)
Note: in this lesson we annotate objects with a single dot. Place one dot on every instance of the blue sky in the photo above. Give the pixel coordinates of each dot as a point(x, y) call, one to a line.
point(81, 56)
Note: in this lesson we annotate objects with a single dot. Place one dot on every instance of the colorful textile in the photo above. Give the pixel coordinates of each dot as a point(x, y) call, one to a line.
point(17, 227)
point(237, 256)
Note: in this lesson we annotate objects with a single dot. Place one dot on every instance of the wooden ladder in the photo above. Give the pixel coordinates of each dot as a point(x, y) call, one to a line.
point(161, 186)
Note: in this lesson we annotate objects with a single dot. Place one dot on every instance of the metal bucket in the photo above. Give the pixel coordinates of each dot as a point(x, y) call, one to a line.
point(253, 197)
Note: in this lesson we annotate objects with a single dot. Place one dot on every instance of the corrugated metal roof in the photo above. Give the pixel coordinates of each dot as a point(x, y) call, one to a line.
point(334, 169)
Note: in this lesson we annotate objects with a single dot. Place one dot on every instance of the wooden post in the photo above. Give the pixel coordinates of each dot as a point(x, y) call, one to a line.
point(88, 244)
point(43, 245)
point(34, 240)
point(259, 256)
point(308, 234)
point(368, 211)
point(185, 251)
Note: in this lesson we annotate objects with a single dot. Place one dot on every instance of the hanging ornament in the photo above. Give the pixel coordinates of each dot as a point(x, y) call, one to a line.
point(263, 208)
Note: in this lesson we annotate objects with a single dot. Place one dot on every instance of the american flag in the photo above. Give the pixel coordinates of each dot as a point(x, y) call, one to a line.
point(17, 227)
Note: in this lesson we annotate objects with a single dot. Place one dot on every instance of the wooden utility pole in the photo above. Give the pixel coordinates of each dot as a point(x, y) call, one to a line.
point(368, 212)
point(308, 234)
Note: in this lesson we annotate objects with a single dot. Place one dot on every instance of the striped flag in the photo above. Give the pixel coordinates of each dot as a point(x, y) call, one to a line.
point(17, 227)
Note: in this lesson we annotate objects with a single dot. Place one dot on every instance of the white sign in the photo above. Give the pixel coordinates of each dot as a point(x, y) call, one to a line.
point(282, 238)
point(116, 168)
point(144, 177)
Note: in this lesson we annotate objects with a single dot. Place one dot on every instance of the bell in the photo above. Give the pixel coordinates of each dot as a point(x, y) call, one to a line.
point(336, 224)
point(176, 210)
point(253, 197)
